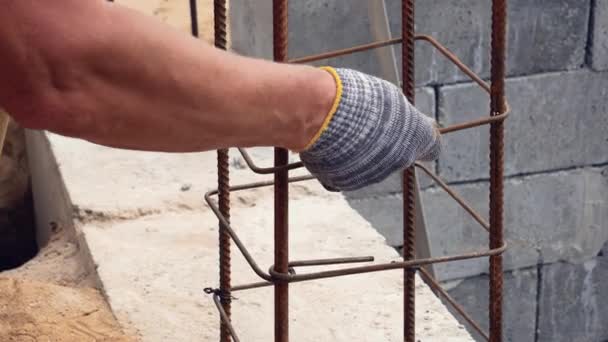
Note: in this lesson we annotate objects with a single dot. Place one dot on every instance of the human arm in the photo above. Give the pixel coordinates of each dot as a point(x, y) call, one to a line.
point(101, 72)
point(97, 71)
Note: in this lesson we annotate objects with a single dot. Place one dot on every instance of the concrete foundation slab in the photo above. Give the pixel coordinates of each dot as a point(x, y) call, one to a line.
point(154, 245)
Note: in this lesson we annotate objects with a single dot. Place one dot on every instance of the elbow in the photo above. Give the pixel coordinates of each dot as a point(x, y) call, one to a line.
point(50, 110)
point(44, 68)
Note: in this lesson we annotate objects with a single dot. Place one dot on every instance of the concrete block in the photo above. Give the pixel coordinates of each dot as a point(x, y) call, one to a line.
point(543, 35)
point(572, 304)
point(519, 303)
point(545, 131)
point(541, 212)
point(425, 101)
point(599, 49)
point(316, 27)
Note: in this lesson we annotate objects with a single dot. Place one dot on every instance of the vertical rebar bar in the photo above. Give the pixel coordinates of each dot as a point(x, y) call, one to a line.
point(281, 191)
point(498, 105)
point(409, 177)
point(223, 167)
point(219, 18)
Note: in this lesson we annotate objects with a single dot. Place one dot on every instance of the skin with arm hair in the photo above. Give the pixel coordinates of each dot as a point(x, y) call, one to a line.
point(97, 71)
point(101, 72)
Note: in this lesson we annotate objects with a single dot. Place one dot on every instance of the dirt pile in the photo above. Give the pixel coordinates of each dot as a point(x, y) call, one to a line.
point(32, 311)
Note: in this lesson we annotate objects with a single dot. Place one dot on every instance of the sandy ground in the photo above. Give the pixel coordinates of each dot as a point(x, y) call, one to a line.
point(52, 297)
point(32, 311)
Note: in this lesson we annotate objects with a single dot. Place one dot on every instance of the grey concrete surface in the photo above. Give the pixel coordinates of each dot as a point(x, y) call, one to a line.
point(599, 49)
point(572, 302)
point(520, 289)
point(539, 218)
point(154, 245)
point(543, 36)
point(558, 120)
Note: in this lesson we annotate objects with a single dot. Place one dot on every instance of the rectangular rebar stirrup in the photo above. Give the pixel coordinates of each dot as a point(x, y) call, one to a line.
point(274, 276)
point(374, 268)
point(343, 260)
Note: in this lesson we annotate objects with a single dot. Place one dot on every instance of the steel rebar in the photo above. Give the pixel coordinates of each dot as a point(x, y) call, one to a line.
point(498, 105)
point(409, 177)
point(441, 292)
point(223, 167)
point(280, 274)
point(281, 191)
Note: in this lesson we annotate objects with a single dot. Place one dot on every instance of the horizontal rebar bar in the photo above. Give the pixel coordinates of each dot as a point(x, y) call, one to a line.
point(272, 276)
point(267, 170)
point(375, 45)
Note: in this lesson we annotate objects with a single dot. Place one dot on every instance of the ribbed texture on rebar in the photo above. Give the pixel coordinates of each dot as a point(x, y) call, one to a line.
point(223, 174)
point(219, 23)
point(280, 32)
point(409, 179)
point(281, 190)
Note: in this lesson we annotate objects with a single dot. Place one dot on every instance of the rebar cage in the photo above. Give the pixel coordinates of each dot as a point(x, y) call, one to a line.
point(282, 273)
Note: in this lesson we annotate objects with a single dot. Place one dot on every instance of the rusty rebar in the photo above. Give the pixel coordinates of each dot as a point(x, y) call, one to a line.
point(224, 317)
point(498, 105)
point(375, 45)
point(223, 176)
point(281, 190)
point(267, 170)
point(409, 177)
point(286, 276)
point(283, 272)
point(347, 51)
point(455, 196)
point(441, 292)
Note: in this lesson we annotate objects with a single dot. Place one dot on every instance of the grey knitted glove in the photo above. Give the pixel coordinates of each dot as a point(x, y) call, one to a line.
point(371, 132)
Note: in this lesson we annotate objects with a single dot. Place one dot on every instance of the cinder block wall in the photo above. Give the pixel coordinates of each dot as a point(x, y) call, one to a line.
point(556, 153)
point(556, 162)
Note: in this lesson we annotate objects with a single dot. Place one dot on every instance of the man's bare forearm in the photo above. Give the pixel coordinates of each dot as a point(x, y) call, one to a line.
point(104, 73)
